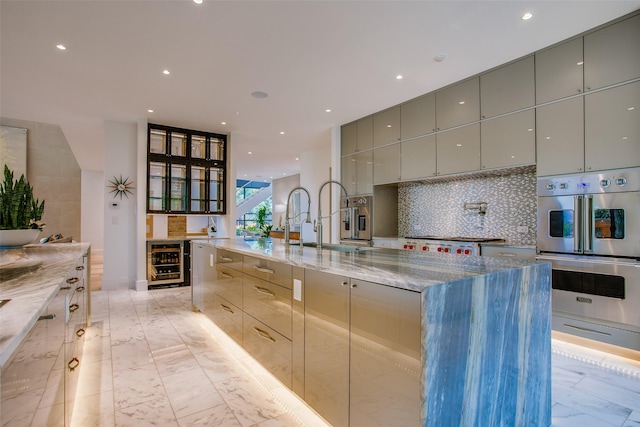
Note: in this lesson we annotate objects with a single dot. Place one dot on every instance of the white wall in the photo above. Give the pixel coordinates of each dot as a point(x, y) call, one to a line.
point(281, 188)
point(315, 168)
point(92, 218)
point(120, 229)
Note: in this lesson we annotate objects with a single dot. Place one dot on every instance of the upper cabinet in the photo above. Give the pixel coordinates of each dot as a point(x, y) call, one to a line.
point(418, 116)
point(357, 136)
point(508, 140)
point(357, 173)
point(458, 104)
point(186, 171)
point(509, 88)
point(612, 54)
point(612, 128)
point(458, 150)
point(386, 164)
point(418, 158)
point(386, 126)
point(559, 71)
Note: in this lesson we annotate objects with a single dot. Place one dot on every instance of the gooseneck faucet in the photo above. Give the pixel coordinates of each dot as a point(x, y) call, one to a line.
point(287, 218)
point(318, 228)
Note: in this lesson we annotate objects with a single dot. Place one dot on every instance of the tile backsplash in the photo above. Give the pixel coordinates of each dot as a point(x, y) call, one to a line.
point(437, 208)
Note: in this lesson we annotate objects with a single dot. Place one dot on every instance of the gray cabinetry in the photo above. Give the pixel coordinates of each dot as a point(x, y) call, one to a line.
point(508, 88)
point(559, 71)
point(357, 136)
point(349, 138)
point(327, 345)
point(418, 116)
point(458, 104)
point(418, 157)
point(357, 173)
point(612, 127)
point(201, 260)
point(508, 140)
point(386, 164)
point(385, 356)
point(612, 54)
point(268, 347)
point(221, 286)
point(458, 150)
point(386, 126)
point(560, 137)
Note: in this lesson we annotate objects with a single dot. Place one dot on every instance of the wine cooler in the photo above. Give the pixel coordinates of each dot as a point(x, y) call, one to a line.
point(165, 263)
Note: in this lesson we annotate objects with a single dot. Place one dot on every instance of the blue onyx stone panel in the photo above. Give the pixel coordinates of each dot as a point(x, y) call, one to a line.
point(488, 350)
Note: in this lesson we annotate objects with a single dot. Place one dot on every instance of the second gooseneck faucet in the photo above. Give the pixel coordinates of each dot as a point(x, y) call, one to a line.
point(287, 225)
point(318, 228)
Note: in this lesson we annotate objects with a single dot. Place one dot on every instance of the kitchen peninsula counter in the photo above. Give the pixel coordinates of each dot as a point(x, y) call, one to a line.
point(484, 330)
point(30, 278)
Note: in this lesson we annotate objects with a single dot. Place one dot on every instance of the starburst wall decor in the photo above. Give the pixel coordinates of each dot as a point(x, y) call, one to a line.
point(121, 187)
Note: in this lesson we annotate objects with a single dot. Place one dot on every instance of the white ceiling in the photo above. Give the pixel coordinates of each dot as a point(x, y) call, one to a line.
point(307, 55)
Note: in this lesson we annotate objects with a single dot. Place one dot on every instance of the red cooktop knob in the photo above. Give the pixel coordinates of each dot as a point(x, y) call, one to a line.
point(439, 249)
point(406, 246)
point(446, 249)
point(458, 251)
point(467, 251)
point(424, 248)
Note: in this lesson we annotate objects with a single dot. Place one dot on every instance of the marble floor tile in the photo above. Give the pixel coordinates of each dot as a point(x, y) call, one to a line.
point(170, 366)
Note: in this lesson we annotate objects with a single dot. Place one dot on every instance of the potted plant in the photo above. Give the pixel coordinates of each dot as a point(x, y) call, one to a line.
point(20, 213)
point(261, 219)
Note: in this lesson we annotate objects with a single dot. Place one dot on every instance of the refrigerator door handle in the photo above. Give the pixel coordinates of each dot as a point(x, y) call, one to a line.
point(577, 223)
point(587, 231)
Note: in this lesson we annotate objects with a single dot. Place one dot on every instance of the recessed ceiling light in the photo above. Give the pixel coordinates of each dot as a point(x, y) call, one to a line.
point(439, 58)
point(197, 1)
point(388, 126)
point(328, 110)
point(223, 123)
point(249, 152)
point(61, 47)
point(259, 95)
point(399, 77)
point(150, 111)
point(458, 145)
point(527, 16)
point(166, 72)
point(281, 132)
point(297, 158)
point(548, 137)
point(284, 173)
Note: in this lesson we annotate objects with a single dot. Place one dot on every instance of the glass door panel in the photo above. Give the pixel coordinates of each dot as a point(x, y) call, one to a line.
point(157, 185)
point(157, 141)
point(198, 186)
point(178, 144)
point(216, 147)
point(216, 193)
point(178, 196)
point(198, 144)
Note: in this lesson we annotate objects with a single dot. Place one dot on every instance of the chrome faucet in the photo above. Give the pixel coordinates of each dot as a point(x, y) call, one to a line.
point(318, 227)
point(287, 218)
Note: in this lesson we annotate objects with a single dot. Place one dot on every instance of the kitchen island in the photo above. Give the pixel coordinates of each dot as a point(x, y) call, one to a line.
point(46, 295)
point(387, 337)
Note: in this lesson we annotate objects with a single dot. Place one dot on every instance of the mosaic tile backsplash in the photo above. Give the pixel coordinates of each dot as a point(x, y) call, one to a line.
point(437, 208)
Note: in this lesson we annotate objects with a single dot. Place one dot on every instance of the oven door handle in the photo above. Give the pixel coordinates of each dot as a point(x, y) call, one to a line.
point(577, 223)
point(587, 231)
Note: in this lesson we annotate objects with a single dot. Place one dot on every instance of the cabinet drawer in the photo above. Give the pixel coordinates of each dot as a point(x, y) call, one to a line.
point(268, 347)
point(228, 284)
point(274, 272)
point(227, 317)
point(231, 259)
point(269, 303)
point(501, 251)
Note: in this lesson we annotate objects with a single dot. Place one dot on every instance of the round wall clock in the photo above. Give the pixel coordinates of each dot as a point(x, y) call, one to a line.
point(121, 187)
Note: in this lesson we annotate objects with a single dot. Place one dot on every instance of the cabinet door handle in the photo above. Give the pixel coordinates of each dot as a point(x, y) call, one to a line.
point(225, 259)
point(79, 267)
point(73, 307)
point(263, 334)
point(80, 289)
point(226, 275)
point(226, 308)
point(263, 269)
point(264, 291)
point(73, 363)
point(353, 286)
point(47, 317)
point(80, 332)
point(586, 329)
point(506, 254)
point(344, 283)
point(65, 288)
point(72, 280)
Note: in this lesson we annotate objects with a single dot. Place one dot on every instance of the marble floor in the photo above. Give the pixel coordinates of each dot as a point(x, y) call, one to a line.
point(150, 361)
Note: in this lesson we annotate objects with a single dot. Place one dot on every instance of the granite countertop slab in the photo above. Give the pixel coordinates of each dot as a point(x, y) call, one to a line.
point(179, 238)
point(30, 277)
point(402, 269)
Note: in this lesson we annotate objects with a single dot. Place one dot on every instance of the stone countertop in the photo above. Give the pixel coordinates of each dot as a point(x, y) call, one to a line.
point(30, 277)
point(179, 238)
point(402, 269)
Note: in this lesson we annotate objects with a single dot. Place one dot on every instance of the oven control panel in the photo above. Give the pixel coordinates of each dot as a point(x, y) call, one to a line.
point(616, 181)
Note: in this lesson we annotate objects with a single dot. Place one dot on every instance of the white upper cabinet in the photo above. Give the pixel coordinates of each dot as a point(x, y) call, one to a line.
point(458, 150)
point(386, 126)
point(418, 116)
point(458, 104)
point(508, 140)
point(612, 128)
point(508, 88)
point(418, 158)
point(612, 54)
point(559, 71)
point(560, 137)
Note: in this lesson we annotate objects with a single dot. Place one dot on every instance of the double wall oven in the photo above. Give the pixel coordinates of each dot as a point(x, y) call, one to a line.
point(589, 229)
